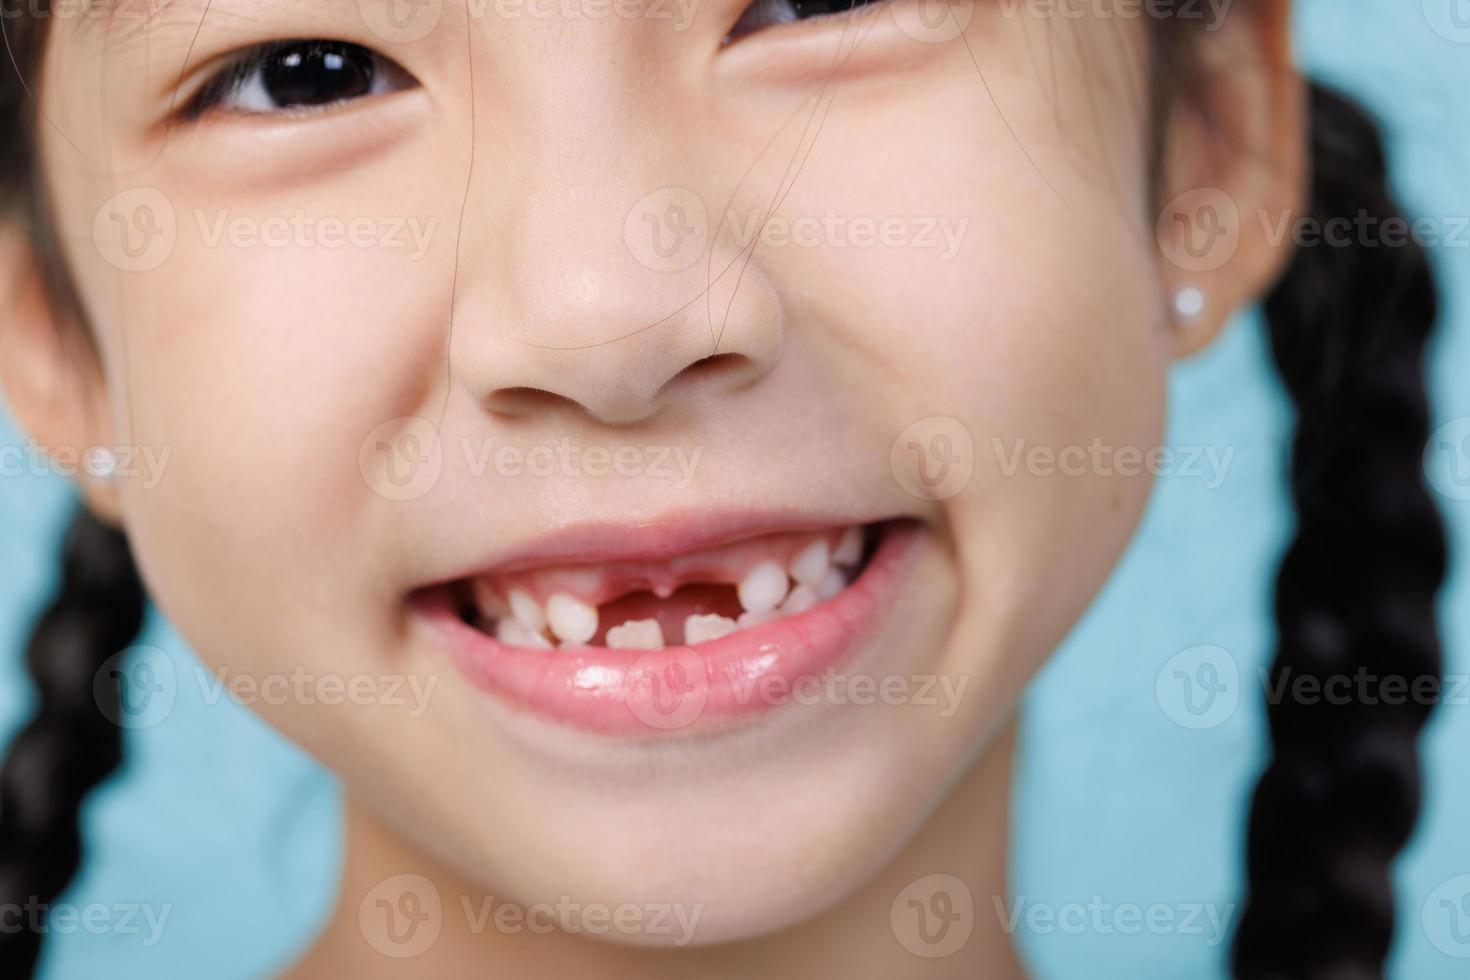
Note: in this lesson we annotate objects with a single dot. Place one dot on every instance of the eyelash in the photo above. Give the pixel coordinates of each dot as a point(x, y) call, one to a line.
point(240, 77)
point(779, 12)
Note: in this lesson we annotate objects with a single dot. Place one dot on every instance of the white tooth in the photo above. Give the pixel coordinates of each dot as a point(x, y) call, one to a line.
point(572, 620)
point(749, 619)
point(527, 610)
point(810, 565)
point(849, 550)
point(802, 598)
point(698, 629)
point(636, 634)
point(834, 583)
point(763, 587)
point(515, 633)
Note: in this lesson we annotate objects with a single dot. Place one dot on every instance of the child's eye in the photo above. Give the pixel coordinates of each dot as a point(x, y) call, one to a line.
point(764, 13)
point(299, 75)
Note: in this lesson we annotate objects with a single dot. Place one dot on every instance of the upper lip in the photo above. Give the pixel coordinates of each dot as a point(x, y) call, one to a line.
point(653, 538)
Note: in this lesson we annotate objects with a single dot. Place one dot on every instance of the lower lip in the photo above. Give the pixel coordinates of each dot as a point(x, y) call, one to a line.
point(679, 688)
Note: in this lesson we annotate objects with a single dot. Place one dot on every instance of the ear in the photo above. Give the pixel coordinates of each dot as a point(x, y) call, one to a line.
point(1234, 170)
point(51, 376)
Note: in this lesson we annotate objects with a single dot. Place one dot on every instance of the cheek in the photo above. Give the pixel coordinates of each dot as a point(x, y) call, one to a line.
point(1027, 308)
point(260, 356)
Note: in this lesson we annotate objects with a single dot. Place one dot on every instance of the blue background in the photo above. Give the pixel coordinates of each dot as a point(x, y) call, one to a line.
point(235, 830)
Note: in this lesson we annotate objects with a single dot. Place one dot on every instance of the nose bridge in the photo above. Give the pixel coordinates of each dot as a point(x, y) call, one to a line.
point(586, 267)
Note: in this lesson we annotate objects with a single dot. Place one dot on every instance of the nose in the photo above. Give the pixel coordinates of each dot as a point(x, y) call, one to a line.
point(618, 305)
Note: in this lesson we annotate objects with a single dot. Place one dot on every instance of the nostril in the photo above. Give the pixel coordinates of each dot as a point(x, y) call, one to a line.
point(716, 367)
point(527, 401)
point(618, 393)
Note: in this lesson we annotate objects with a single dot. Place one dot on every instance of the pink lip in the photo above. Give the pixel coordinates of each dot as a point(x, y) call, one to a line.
point(676, 689)
point(653, 539)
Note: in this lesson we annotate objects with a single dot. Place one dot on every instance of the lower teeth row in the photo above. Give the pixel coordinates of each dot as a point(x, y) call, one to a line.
point(767, 592)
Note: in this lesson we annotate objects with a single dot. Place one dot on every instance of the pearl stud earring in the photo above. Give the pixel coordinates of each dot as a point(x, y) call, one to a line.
point(101, 463)
point(1189, 303)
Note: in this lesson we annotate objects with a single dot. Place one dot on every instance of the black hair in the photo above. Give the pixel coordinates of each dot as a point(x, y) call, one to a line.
point(1355, 592)
point(1356, 589)
point(72, 741)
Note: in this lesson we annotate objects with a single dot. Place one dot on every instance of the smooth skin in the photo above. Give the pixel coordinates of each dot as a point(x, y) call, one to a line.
point(531, 318)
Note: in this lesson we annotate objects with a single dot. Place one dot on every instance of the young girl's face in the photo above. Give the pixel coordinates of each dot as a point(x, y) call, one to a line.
point(585, 300)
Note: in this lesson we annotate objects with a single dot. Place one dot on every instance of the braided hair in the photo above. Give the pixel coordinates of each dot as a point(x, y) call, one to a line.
point(1355, 591)
point(72, 742)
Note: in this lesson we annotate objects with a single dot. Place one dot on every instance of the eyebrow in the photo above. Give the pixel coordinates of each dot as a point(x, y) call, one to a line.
point(128, 19)
point(128, 16)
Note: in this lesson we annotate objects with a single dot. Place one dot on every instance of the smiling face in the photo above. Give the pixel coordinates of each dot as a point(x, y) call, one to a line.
point(554, 323)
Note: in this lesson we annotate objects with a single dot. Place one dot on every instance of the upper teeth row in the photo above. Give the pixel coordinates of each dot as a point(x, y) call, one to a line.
point(766, 593)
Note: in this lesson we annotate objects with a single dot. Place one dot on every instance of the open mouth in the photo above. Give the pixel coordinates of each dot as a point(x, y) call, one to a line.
point(648, 645)
point(685, 600)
